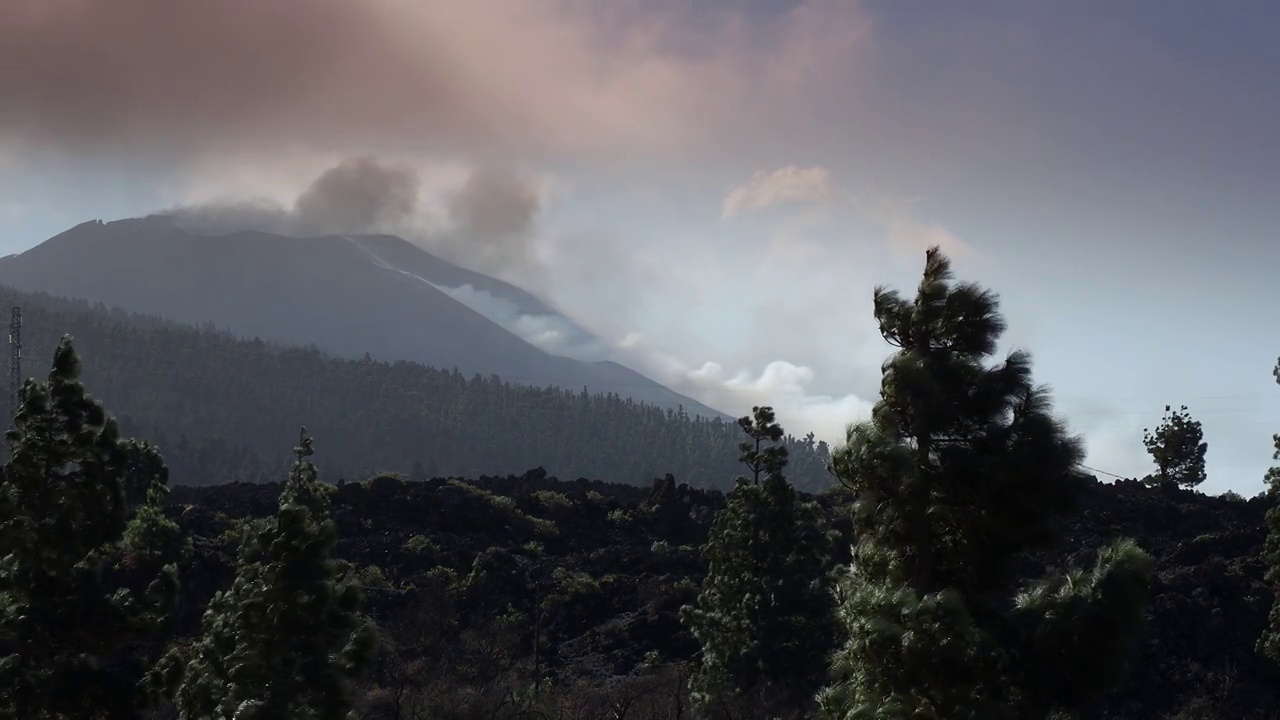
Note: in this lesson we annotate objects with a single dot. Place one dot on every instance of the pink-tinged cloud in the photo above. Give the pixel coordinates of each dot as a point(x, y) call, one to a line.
point(544, 78)
point(790, 184)
point(909, 236)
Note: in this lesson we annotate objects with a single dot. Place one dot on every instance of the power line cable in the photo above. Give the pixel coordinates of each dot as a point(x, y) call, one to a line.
point(1104, 472)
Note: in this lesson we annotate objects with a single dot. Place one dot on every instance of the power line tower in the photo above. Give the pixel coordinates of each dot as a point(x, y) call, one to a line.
point(15, 362)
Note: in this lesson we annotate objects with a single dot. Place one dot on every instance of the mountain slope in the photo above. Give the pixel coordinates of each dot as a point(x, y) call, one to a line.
point(405, 257)
point(348, 296)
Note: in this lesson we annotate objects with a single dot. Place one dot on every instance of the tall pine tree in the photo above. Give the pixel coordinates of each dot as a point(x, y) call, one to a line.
point(1270, 642)
point(79, 506)
point(1178, 448)
point(286, 640)
point(959, 470)
point(764, 616)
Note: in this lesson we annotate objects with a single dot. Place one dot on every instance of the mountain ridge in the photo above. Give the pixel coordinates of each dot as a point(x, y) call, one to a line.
point(333, 291)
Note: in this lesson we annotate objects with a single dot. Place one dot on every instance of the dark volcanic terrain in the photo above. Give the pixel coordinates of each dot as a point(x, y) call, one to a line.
point(462, 573)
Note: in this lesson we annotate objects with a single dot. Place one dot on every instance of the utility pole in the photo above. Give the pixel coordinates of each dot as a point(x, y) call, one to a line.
point(15, 362)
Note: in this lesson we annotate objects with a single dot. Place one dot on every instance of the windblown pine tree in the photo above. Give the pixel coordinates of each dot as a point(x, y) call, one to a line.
point(764, 616)
point(79, 507)
point(1270, 642)
point(1178, 448)
point(286, 640)
point(959, 470)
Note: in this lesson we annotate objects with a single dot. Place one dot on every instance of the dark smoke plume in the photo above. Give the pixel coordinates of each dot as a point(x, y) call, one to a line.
point(358, 195)
point(491, 223)
point(494, 217)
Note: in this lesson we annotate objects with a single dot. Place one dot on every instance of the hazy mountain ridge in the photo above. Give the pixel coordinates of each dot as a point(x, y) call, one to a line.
point(375, 294)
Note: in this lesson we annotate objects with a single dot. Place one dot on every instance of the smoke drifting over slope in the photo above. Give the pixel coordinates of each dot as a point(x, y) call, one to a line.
point(244, 87)
point(492, 85)
point(358, 195)
point(552, 333)
point(494, 217)
point(489, 222)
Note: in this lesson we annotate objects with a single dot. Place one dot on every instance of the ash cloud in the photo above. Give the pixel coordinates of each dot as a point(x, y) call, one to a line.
point(494, 78)
point(232, 215)
point(489, 223)
point(358, 195)
point(161, 75)
point(494, 216)
point(496, 204)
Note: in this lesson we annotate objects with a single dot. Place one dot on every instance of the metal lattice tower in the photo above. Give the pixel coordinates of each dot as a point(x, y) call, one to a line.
point(15, 364)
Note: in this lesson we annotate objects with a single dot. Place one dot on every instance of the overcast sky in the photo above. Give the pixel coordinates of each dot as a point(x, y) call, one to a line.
point(717, 186)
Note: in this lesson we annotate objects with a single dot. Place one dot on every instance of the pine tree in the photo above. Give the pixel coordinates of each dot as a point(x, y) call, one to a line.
point(959, 470)
point(77, 595)
point(286, 640)
point(1177, 446)
point(764, 614)
point(1270, 642)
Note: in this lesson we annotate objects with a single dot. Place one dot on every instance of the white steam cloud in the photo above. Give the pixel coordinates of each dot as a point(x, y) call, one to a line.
point(553, 334)
point(781, 384)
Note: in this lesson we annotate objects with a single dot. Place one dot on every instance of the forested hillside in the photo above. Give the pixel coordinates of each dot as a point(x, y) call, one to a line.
point(224, 409)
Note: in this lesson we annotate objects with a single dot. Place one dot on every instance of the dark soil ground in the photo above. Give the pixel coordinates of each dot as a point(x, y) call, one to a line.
point(587, 579)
